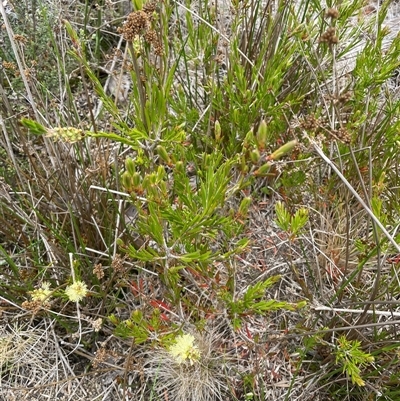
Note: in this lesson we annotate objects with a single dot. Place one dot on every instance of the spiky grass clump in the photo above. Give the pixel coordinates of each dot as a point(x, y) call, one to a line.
point(25, 359)
point(189, 370)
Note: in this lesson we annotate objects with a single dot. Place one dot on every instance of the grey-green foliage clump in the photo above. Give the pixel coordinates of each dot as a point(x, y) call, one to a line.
point(35, 27)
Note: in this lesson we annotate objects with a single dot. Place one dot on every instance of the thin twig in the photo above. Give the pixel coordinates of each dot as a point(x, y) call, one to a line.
point(361, 311)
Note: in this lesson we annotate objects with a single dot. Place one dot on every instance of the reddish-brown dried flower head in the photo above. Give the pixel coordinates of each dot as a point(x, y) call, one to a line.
point(137, 23)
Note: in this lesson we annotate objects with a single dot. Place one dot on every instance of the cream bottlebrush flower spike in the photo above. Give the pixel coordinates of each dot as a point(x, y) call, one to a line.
point(76, 291)
point(42, 293)
point(185, 349)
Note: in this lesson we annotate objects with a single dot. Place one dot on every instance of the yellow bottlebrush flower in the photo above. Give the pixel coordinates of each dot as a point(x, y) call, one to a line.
point(77, 291)
point(66, 134)
point(41, 293)
point(185, 349)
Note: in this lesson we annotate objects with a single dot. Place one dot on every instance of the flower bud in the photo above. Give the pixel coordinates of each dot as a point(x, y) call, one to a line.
point(262, 135)
point(179, 167)
point(136, 180)
point(217, 131)
point(255, 156)
point(248, 139)
point(130, 165)
point(163, 154)
point(283, 150)
point(263, 170)
point(126, 180)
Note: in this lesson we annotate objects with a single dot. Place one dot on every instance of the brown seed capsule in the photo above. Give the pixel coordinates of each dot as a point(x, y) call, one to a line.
point(329, 36)
point(332, 13)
